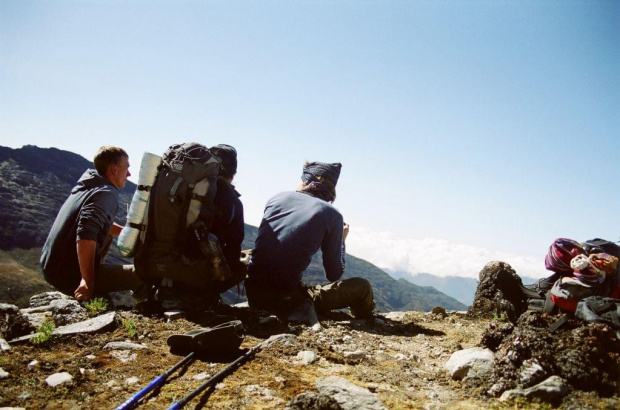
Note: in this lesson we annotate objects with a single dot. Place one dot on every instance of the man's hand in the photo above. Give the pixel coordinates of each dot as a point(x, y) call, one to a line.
point(345, 231)
point(83, 292)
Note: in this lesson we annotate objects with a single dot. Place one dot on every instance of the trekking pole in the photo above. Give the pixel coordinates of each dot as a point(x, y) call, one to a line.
point(156, 382)
point(225, 371)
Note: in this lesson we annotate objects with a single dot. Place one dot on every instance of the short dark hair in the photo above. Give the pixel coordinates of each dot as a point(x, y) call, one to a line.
point(106, 156)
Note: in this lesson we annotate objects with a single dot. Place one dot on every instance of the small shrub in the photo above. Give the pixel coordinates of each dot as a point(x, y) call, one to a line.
point(44, 332)
point(96, 306)
point(130, 327)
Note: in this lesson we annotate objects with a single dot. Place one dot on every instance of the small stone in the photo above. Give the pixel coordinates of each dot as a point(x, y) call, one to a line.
point(124, 355)
point(124, 346)
point(201, 376)
point(90, 357)
point(58, 378)
point(439, 311)
point(131, 381)
point(33, 364)
point(8, 308)
point(111, 384)
point(356, 355)
point(347, 338)
point(400, 357)
point(24, 396)
point(3, 374)
point(279, 379)
point(4, 346)
point(306, 357)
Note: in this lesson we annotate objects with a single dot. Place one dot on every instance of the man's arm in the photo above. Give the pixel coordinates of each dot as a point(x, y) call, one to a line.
point(86, 257)
point(334, 250)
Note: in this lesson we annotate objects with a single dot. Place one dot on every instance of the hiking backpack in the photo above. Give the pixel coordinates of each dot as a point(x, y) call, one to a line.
point(589, 269)
point(600, 310)
point(184, 188)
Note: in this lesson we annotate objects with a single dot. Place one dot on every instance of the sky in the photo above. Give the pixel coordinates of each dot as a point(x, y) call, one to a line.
point(468, 131)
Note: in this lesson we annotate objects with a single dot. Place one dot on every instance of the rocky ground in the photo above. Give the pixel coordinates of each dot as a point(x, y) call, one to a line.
point(398, 360)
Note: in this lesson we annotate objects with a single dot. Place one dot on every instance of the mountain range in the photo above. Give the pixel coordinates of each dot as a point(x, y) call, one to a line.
point(34, 182)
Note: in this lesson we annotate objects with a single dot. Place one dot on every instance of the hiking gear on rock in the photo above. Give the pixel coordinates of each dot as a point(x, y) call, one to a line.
point(568, 291)
point(599, 309)
point(159, 380)
point(560, 254)
point(226, 336)
point(137, 217)
point(228, 369)
point(184, 183)
point(598, 245)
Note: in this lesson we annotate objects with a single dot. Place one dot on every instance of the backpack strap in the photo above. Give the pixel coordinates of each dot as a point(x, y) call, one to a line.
point(558, 323)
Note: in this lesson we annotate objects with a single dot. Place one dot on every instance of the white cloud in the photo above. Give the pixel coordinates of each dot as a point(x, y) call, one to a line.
point(438, 257)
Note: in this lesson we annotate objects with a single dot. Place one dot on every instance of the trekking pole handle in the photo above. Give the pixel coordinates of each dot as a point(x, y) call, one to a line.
point(152, 385)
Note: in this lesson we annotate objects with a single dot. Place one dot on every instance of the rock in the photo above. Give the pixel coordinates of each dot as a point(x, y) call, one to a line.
point(124, 356)
point(24, 396)
point(551, 391)
point(58, 378)
point(4, 345)
point(397, 316)
point(439, 311)
point(33, 364)
point(93, 325)
point(313, 401)
point(46, 298)
point(347, 394)
point(122, 299)
point(8, 309)
point(38, 318)
point(356, 355)
point(201, 376)
point(123, 346)
point(131, 381)
point(306, 357)
point(475, 362)
point(66, 312)
point(90, 357)
point(37, 309)
point(3, 373)
point(532, 373)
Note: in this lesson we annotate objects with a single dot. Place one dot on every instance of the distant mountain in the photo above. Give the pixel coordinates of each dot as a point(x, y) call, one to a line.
point(460, 288)
point(34, 183)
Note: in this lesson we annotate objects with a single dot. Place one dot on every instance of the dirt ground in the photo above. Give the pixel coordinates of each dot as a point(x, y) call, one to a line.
point(399, 359)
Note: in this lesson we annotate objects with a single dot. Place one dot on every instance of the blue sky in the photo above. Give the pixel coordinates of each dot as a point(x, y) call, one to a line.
point(487, 127)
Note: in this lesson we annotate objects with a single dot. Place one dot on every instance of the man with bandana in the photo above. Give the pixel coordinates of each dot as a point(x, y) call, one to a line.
point(294, 227)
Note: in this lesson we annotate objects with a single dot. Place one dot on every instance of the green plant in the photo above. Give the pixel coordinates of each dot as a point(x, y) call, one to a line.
point(130, 327)
point(44, 332)
point(96, 306)
point(500, 317)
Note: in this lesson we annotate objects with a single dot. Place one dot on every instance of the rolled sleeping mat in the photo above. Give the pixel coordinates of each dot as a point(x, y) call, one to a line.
point(138, 209)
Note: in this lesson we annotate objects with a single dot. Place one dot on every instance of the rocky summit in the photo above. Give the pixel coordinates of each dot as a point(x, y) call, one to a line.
point(433, 360)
